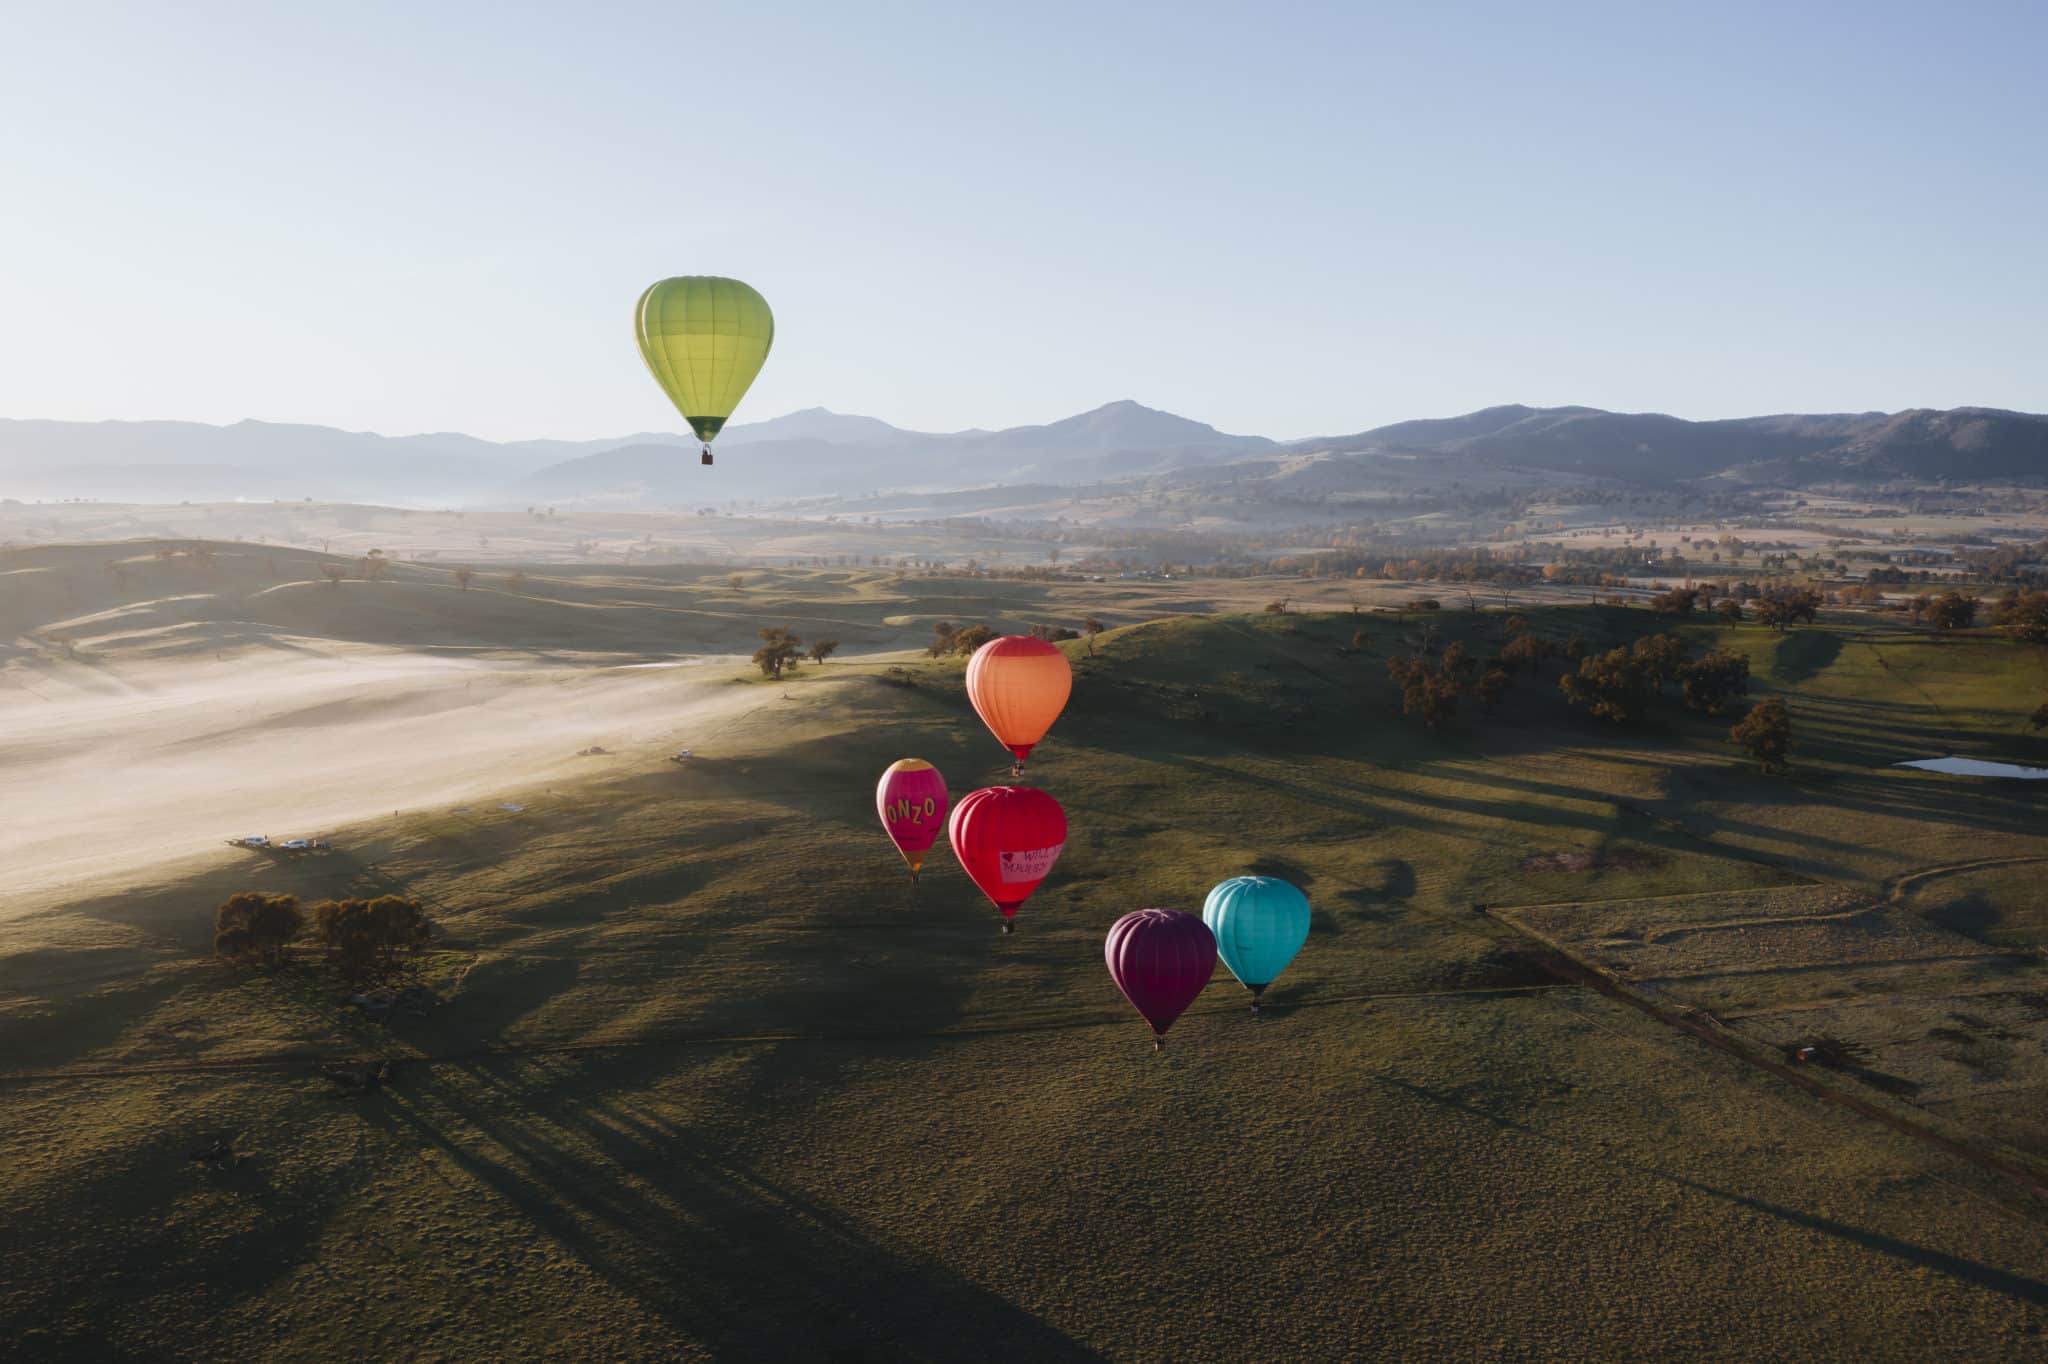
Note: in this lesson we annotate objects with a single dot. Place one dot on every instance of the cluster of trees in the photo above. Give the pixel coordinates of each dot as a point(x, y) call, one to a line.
point(2023, 615)
point(361, 935)
point(781, 650)
point(371, 567)
point(949, 640)
point(1779, 607)
point(1431, 683)
point(1947, 611)
point(1620, 684)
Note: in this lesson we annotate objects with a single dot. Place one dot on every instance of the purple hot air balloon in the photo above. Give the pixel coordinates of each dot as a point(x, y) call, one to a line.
point(1160, 959)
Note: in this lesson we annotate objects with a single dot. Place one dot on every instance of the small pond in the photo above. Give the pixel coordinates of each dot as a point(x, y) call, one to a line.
point(1978, 767)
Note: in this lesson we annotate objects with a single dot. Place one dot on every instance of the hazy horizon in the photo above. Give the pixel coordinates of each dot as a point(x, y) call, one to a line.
point(1352, 219)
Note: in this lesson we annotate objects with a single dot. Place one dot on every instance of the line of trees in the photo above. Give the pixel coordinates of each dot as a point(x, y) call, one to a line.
point(362, 936)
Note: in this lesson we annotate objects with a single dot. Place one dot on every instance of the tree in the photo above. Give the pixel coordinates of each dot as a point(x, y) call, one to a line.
point(1730, 609)
point(778, 653)
point(2040, 717)
point(252, 926)
point(1711, 682)
point(738, 581)
point(1492, 684)
point(822, 649)
point(464, 577)
point(1679, 601)
point(334, 573)
point(1783, 606)
point(363, 935)
point(942, 638)
point(1523, 651)
point(1277, 608)
point(1766, 733)
point(1053, 634)
point(1662, 658)
point(2023, 615)
point(1429, 691)
point(1953, 611)
point(972, 638)
point(1092, 627)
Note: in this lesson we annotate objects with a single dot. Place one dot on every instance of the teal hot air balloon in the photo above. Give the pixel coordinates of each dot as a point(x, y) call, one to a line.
point(1260, 922)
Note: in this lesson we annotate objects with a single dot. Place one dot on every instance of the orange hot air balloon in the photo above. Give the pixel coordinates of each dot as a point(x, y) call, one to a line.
point(1018, 685)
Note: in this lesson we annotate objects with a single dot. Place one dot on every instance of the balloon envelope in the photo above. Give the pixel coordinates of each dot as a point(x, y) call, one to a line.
point(704, 338)
point(911, 799)
point(1018, 685)
point(1160, 959)
point(1260, 922)
point(1007, 839)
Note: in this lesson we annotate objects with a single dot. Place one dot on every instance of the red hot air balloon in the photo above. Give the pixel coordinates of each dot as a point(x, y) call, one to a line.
point(911, 798)
point(1007, 838)
point(1160, 959)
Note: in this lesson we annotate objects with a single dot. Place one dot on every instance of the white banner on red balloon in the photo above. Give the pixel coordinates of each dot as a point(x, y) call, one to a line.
point(1030, 866)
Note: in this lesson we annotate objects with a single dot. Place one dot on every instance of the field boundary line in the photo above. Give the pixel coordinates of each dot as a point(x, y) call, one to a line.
point(1703, 1025)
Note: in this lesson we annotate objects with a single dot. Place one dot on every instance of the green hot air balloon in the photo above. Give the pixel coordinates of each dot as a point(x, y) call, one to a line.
point(704, 338)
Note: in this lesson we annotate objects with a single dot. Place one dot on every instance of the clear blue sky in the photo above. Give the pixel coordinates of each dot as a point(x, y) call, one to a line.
point(1288, 219)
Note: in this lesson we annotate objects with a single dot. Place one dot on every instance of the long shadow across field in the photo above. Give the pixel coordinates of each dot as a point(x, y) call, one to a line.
point(2017, 1286)
point(677, 1221)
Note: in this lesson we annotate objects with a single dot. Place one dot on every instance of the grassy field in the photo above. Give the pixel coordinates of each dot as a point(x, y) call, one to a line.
point(706, 1077)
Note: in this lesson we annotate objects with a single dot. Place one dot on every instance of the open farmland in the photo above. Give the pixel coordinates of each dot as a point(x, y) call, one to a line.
point(699, 1074)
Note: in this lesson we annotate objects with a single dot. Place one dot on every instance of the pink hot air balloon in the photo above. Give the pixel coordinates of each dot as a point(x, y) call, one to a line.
point(1160, 959)
point(911, 798)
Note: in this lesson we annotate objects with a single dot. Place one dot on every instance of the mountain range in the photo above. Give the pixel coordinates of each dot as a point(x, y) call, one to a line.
point(816, 452)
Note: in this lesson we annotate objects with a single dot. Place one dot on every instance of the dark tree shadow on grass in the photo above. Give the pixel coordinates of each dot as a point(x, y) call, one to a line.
point(730, 1259)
